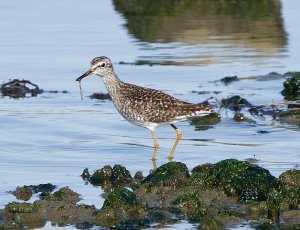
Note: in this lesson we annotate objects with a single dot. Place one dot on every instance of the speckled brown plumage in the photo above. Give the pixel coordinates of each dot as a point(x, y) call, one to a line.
point(144, 106)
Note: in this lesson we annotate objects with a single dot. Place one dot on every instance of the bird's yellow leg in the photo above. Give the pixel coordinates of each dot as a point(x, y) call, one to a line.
point(178, 132)
point(155, 145)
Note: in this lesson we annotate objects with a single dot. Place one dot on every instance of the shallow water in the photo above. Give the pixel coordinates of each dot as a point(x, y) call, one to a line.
point(181, 49)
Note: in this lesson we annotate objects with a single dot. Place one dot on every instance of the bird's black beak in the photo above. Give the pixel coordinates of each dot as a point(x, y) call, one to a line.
point(89, 72)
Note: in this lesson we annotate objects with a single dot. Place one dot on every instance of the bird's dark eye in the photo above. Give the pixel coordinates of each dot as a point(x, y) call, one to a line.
point(102, 65)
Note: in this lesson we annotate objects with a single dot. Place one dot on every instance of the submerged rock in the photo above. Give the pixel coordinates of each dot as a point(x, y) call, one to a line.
point(19, 88)
point(100, 96)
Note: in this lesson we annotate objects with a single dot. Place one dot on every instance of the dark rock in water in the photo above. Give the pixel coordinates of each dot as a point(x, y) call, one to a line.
point(240, 178)
point(116, 175)
point(291, 89)
point(43, 188)
point(235, 103)
point(100, 96)
point(205, 122)
point(120, 174)
point(172, 174)
point(85, 174)
point(19, 88)
point(229, 79)
point(25, 192)
point(239, 117)
point(101, 175)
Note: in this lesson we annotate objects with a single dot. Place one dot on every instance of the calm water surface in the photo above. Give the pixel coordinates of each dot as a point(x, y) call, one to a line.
point(180, 47)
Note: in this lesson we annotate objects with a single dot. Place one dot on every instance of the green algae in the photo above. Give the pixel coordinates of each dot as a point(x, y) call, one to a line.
point(171, 174)
point(123, 200)
point(242, 179)
point(190, 204)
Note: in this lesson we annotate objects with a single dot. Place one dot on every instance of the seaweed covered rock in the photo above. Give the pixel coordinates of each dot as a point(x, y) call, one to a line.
point(122, 208)
point(123, 200)
point(19, 88)
point(23, 193)
point(171, 174)
point(290, 178)
point(291, 86)
point(64, 194)
point(101, 175)
point(199, 174)
point(242, 179)
point(117, 175)
point(190, 205)
point(16, 207)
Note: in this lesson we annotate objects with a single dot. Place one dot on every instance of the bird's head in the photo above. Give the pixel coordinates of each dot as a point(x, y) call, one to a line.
point(100, 66)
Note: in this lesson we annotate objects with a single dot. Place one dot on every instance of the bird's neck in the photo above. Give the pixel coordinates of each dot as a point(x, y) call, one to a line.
point(112, 83)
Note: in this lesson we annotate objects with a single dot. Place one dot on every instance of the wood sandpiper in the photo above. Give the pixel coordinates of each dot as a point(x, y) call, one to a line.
point(142, 106)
